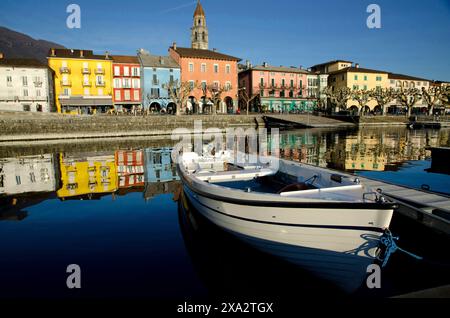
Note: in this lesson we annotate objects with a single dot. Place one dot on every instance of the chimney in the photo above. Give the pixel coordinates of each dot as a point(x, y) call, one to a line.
point(264, 64)
point(1, 55)
point(53, 52)
point(174, 46)
point(247, 64)
point(81, 53)
point(214, 50)
point(357, 65)
point(106, 55)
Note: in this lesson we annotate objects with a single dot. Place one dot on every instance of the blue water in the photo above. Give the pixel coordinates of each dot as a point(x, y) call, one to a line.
point(133, 240)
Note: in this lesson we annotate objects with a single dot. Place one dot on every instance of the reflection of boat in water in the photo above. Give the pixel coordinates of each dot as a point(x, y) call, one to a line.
point(227, 266)
point(329, 224)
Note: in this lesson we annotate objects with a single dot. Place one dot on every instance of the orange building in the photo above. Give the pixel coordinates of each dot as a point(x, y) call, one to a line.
point(207, 68)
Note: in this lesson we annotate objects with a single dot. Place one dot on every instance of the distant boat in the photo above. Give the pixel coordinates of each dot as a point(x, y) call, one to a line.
point(326, 222)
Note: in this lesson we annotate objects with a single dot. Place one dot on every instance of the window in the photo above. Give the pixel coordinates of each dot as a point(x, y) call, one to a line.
point(136, 94)
point(392, 82)
point(192, 84)
point(171, 79)
point(292, 83)
point(116, 70)
point(283, 82)
point(216, 84)
point(191, 67)
point(25, 92)
point(155, 92)
point(9, 81)
point(127, 95)
point(203, 85)
point(356, 77)
point(100, 92)
point(117, 83)
point(66, 92)
point(378, 79)
point(126, 71)
point(273, 82)
point(100, 79)
point(365, 77)
point(262, 81)
point(24, 81)
point(136, 83)
point(18, 182)
point(136, 71)
point(365, 87)
point(26, 107)
point(203, 68)
point(87, 92)
point(38, 92)
point(126, 83)
point(228, 69)
point(117, 95)
point(355, 87)
point(155, 80)
point(216, 68)
point(228, 86)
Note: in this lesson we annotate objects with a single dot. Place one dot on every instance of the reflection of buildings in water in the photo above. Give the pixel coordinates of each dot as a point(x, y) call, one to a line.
point(361, 152)
point(307, 148)
point(158, 165)
point(28, 174)
point(380, 150)
point(130, 168)
point(153, 189)
point(88, 174)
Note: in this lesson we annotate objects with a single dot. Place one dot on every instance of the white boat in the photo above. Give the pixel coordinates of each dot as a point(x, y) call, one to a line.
point(325, 221)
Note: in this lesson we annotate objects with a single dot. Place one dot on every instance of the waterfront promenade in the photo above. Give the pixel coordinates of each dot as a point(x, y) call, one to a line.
point(22, 127)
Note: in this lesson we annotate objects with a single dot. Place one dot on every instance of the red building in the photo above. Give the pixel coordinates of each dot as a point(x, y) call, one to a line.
point(126, 82)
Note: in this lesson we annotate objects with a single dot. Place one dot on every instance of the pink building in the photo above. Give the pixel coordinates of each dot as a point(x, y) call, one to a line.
point(280, 89)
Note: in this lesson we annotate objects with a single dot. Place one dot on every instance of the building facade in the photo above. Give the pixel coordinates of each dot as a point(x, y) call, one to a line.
point(280, 89)
point(399, 81)
point(316, 84)
point(25, 85)
point(130, 168)
point(126, 82)
point(213, 76)
point(83, 81)
point(157, 72)
point(357, 78)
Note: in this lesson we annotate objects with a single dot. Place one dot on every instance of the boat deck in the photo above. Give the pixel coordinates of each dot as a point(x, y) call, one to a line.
point(426, 207)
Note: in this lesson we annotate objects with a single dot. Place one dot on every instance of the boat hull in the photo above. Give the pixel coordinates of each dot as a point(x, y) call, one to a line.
point(317, 239)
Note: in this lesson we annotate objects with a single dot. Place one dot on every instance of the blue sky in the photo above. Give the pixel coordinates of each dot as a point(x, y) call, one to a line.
point(414, 38)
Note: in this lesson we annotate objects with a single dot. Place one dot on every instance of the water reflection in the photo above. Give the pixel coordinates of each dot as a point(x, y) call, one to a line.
point(93, 174)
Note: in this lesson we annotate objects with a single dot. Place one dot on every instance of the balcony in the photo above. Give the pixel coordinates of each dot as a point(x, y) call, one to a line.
point(99, 71)
point(87, 84)
point(64, 70)
point(100, 84)
point(66, 83)
point(37, 84)
point(86, 71)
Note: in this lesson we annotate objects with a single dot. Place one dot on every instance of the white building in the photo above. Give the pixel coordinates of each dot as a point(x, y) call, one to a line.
point(397, 81)
point(317, 82)
point(28, 174)
point(25, 85)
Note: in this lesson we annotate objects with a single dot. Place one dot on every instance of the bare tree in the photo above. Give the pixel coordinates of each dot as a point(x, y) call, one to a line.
point(383, 96)
point(215, 93)
point(362, 97)
point(247, 97)
point(179, 93)
point(432, 96)
point(408, 98)
point(339, 96)
point(445, 96)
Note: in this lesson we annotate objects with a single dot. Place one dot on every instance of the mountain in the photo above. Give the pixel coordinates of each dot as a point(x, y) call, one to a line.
point(18, 45)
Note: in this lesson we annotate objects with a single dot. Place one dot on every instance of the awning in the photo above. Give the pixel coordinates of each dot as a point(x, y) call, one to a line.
point(81, 101)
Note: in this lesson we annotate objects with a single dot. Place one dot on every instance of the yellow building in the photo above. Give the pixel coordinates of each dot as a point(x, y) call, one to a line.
point(87, 176)
point(357, 78)
point(83, 81)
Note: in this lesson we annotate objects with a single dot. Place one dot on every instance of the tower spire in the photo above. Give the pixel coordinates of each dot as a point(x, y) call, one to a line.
point(199, 36)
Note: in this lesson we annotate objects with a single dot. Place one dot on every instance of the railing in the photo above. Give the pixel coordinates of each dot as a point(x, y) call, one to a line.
point(100, 84)
point(38, 84)
point(87, 84)
point(99, 71)
point(86, 71)
point(64, 70)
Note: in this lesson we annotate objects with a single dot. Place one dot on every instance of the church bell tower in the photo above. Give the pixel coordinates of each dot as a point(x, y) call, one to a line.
point(199, 37)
